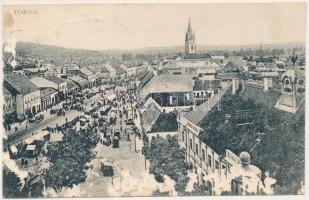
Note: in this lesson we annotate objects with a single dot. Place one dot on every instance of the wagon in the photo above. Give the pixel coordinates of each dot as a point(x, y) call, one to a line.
point(107, 168)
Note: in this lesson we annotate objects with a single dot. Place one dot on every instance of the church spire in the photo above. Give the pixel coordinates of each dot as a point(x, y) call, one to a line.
point(190, 47)
point(189, 26)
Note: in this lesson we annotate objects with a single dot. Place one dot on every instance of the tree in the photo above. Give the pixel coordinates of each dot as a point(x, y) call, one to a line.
point(166, 157)
point(68, 167)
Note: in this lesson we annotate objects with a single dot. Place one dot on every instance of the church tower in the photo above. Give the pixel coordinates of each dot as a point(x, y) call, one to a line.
point(190, 47)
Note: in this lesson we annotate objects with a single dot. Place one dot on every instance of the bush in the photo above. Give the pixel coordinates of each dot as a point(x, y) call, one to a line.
point(159, 178)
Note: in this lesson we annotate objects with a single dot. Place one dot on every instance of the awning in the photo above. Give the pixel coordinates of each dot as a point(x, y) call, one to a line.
point(31, 147)
point(38, 136)
point(14, 149)
point(111, 96)
point(82, 120)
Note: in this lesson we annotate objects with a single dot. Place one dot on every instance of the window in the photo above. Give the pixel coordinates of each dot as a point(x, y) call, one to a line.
point(217, 164)
point(203, 155)
point(183, 136)
point(301, 82)
point(196, 148)
point(191, 146)
point(209, 161)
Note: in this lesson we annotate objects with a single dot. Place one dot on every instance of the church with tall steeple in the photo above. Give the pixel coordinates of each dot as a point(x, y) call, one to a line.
point(190, 47)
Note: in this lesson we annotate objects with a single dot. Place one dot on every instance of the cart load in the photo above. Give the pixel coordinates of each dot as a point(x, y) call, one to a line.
point(107, 168)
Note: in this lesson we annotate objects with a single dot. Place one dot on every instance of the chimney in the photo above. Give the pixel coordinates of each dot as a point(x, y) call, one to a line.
point(235, 85)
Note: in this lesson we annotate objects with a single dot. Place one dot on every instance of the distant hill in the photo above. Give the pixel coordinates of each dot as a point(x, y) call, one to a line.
point(146, 50)
point(61, 55)
point(206, 48)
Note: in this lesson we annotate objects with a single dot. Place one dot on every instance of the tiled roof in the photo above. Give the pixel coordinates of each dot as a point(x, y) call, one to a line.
point(7, 94)
point(100, 67)
point(109, 68)
point(71, 84)
point(41, 82)
point(168, 83)
point(256, 92)
point(169, 66)
point(144, 80)
point(119, 70)
point(199, 113)
point(86, 71)
point(78, 79)
point(197, 56)
point(55, 79)
point(94, 69)
point(206, 84)
point(166, 122)
point(21, 84)
point(47, 91)
point(227, 76)
point(149, 117)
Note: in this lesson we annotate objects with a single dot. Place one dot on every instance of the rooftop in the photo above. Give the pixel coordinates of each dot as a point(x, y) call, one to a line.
point(94, 69)
point(200, 112)
point(86, 71)
point(149, 117)
point(206, 84)
point(41, 82)
point(227, 76)
point(168, 83)
point(109, 68)
point(7, 93)
point(20, 83)
point(47, 92)
point(119, 70)
point(197, 56)
point(169, 65)
point(71, 84)
point(78, 79)
point(55, 79)
point(256, 92)
point(166, 122)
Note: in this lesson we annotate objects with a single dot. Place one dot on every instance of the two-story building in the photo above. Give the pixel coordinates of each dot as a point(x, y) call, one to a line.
point(28, 97)
point(80, 81)
point(48, 97)
point(89, 75)
point(215, 161)
point(142, 68)
point(97, 70)
point(120, 72)
point(61, 86)
point(9, 106)
point(131, 71)
point(111, 72)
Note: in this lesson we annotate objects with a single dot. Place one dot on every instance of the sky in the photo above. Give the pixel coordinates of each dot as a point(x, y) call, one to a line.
point(121, 26)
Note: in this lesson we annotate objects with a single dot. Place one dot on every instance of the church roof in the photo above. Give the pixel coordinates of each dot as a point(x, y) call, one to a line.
point(197, 56)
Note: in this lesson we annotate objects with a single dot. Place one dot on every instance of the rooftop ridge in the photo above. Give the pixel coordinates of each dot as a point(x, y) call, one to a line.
point(195, 116)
